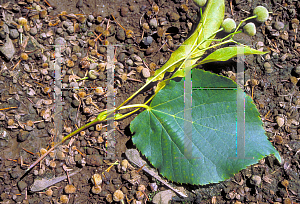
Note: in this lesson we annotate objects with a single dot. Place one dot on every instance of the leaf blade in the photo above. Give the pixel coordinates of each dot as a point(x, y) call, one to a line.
point(159, 133)
point(210, 23)
point(224, 54)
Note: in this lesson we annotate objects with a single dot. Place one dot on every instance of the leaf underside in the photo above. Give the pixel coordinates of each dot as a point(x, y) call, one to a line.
point(208, 151)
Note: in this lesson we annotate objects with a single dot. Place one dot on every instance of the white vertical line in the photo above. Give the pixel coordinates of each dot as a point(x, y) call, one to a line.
point(111, 143)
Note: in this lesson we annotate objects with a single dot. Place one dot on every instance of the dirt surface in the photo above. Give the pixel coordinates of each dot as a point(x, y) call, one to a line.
point(272, 81)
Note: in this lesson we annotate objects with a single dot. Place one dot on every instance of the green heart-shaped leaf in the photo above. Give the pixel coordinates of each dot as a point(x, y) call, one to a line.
point(159, 132)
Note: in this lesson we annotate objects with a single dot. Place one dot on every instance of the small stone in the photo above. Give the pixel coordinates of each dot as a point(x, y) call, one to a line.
point(33, 31)
point(255, 180)
point(79, 4)
point(94, 160)
point(149, 51)
point(93, 66)
point(278, 25)
point(268, 67)
point(60, 41)
point(22, 136)
point(43, 35)
point(78, 157)
point(121, 57)
point(136, 58)
point(8, 49)
point(124, 11)
point(89, 24)
point(22, 185)
point(120, 35)
point(70, 38)
point(174, 17)
point(41, 125)
point(284, 35)
point(280, 121)
point(153, 23)
point(146, 73)
point(91, 18)
point(147, 40)
point(59, 30)
point(76, 48)
point(14, 33)
point(70, 29)
point(2, 35)
point(129, 62)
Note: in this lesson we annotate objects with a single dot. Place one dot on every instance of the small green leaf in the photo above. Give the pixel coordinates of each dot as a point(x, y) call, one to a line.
point(210, 22)
point(159, 132)
point(226, 53)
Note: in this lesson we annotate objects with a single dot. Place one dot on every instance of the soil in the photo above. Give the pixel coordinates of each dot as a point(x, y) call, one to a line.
point(272, 81)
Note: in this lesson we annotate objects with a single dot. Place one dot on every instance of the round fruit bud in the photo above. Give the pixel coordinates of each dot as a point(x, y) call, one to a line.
point(96, 179)
point(200, 2)
point(22, 21)
point(64, 199)
point(250, 29)
point(118, 195)
point(261, 13)
point(70, 189)
point(228, 25)
point(96, 189)
point(24, 56)
point(49, 192)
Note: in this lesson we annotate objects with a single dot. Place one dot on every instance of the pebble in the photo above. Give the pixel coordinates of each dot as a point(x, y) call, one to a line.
point(174, 17)
point(280, 121)
point(297, 70)
point(22, 136)
point(163, 21)
point(121, 57)
point(79, 4)
point(93, 66)
point(136, 58)
point(94, 160)
point(268, 67)
point(153, 23)
point(43, 36)
point(278, 25)
point(120, 35)
point(76, 48)
point(90, 18)
point(41, 125)
point(129, 62)
point(59, 30)
point(70, 29)
point(124, 11)
point(255, 180)
point(8, 49)
point(147, 40)
point(14, 33)
point(243, 38)
point(149, 51)
point(284, 35)
point(33, 31)
point(146, 73)
point(89, 24)
point(71, 37)
point(2, 35)
point(22, 185)
point(60, 41)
